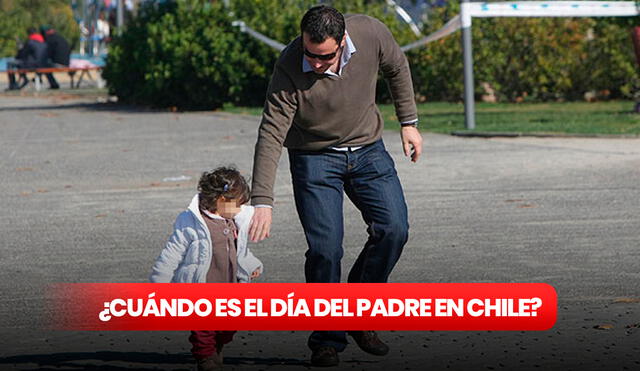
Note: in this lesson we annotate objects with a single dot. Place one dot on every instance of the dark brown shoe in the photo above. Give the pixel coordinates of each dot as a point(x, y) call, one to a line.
point(324, 357)
point(369, 342)
point(212, 363)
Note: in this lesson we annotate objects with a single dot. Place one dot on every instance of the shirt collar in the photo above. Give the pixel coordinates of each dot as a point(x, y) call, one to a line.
point(349, 49)
point(211, 215)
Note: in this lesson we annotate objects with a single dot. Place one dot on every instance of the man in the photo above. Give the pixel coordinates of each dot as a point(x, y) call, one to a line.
point(321, 106)
point(59, 52)
point(33, 54)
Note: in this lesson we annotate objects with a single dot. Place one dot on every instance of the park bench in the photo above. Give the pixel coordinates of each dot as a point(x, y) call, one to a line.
point(71, 71)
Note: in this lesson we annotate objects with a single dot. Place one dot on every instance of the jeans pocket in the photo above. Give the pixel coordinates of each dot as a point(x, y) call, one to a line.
point(383, 163)
point(306, 166)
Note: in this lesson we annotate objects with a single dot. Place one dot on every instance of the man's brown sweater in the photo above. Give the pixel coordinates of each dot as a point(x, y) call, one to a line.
point(309, 111)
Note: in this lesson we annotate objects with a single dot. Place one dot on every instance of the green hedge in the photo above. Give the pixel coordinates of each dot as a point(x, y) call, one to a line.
point(186, 54)
point(534, 59)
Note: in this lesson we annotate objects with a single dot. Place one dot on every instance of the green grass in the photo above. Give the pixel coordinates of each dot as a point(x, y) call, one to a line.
point(615, 117)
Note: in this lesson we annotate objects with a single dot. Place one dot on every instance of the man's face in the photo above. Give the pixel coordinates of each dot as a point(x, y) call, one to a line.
point(321, 56)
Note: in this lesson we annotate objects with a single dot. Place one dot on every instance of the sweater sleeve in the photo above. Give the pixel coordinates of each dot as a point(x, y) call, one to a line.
point(279, 109)
point(395, 69)
point(247, 262)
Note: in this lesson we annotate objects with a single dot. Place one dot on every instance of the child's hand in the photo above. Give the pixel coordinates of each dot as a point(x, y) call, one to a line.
point(255, 274)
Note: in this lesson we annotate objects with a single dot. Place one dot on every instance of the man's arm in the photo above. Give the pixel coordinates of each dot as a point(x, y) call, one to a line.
point(395, 69)
point(279, 109)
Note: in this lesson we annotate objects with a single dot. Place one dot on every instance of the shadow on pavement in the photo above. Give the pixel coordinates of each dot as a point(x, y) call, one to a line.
point(139, 360)
point(87, 106)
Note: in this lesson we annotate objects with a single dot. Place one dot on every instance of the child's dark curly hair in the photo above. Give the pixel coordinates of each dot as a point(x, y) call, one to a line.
point(222, 182)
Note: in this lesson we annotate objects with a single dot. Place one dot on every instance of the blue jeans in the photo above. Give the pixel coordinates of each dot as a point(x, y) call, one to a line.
point(368, 177)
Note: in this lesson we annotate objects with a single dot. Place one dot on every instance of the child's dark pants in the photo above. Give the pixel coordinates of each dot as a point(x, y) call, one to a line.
point(206, 343)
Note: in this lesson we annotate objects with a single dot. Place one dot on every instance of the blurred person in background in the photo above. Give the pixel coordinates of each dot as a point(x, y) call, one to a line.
point(59, 52)
point(33, 54)
point(102, 35)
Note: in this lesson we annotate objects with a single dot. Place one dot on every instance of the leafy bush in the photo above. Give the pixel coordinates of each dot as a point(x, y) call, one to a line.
point(184, 54)
point(187, 54)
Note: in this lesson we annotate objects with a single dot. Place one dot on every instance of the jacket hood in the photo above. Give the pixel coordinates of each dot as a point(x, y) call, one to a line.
point(194, 207)
point(36, 37)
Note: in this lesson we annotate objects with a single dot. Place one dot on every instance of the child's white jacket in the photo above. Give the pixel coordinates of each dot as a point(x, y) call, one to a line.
point(187, 254)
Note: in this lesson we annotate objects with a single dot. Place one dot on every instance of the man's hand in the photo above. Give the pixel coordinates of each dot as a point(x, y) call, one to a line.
point(260, 224)
point(411, 142)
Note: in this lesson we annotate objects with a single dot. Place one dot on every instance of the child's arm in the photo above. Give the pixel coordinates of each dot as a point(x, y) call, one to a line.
point(248, 264)
point(172, 254)
point(252, 265)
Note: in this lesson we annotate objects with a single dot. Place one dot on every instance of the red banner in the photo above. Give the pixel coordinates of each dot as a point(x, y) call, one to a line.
point(300, 306)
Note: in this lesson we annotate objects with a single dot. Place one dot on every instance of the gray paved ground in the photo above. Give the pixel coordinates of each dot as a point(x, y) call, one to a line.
point(85, 198)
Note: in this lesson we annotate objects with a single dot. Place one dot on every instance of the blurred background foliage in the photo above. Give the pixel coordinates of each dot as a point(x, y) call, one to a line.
point(531, 59)
point(186, 54)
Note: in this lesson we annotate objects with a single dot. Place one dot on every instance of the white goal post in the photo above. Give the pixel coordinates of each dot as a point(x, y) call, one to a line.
point(468, 10)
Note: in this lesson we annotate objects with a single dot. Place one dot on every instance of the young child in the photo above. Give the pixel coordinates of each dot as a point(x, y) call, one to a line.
point(209, 244)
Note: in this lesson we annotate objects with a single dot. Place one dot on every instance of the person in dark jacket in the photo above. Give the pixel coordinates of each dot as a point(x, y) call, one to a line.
point(33, 54)
point(59, 52)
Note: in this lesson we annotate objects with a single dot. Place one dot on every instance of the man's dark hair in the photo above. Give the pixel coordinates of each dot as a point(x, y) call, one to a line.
point(224, 182)
point(31, 30)
point(322, 22)
point(46, 29)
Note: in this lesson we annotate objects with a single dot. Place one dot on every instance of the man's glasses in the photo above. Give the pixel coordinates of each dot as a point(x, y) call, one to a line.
point(322, 57)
